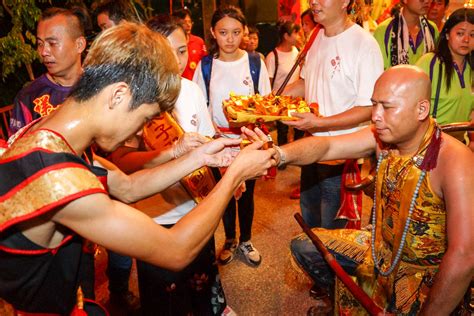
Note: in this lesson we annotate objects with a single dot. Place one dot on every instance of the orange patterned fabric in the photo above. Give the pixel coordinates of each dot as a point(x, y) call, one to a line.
point(160, 134)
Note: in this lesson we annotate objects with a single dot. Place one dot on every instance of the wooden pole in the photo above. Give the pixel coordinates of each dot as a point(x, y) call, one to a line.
point(356, 291)
point(300, 59)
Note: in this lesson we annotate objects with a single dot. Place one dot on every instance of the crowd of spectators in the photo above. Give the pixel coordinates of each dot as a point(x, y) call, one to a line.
point(342, 72)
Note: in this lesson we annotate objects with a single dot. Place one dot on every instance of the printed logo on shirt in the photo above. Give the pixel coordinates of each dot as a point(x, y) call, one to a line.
point(42, 105)
point(336, 65)
point(249, 83)
point(194, 120)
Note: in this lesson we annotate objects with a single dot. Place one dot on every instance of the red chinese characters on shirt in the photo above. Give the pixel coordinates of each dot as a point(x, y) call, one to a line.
point(42, 105)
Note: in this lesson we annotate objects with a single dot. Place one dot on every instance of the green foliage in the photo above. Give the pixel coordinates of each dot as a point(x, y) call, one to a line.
point(15, 50)
point(17, 47)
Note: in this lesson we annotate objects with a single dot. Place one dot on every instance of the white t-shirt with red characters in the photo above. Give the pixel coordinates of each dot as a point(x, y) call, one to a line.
point(227, 77)
point(340, 72)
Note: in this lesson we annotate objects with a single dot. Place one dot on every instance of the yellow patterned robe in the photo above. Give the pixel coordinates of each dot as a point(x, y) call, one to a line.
point(405, 289)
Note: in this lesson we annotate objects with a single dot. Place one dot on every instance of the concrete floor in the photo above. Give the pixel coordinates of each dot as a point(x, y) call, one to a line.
point(273, 288)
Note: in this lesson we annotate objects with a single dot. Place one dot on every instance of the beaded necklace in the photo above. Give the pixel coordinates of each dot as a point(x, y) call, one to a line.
point(407, 223)
point(391, 184)
point(425, 159)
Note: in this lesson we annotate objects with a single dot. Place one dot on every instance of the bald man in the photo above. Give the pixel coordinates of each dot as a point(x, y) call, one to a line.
point(423, 204)
point(61, 42)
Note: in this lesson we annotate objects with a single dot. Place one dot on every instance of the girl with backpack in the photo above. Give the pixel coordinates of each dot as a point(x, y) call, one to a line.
point(228, 69)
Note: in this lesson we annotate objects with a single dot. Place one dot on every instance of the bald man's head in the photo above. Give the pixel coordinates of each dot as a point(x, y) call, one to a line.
point(401, 103)
point(407, 81)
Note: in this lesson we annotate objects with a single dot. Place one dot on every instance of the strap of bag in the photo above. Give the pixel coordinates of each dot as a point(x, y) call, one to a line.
point(254, 62)
point(206, 68)
point(276, 67)
point(438, 88)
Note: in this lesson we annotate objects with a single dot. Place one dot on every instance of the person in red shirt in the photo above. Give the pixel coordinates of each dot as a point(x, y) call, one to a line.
point(196, 45)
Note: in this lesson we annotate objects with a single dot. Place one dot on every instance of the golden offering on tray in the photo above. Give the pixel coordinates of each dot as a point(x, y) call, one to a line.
point(249, 109)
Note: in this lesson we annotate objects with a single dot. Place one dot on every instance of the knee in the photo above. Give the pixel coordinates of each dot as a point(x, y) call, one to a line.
point(302, 250)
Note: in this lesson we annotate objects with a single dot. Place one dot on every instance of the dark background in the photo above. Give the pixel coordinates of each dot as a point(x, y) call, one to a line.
point(261, 13)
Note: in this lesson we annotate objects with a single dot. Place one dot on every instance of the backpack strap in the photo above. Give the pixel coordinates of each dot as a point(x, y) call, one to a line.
point(276, 66)
point(206, 68)
point(255, 63)
point(438, 84)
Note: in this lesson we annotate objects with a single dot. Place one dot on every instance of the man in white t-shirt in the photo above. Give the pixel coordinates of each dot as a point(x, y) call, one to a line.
point(339, 74)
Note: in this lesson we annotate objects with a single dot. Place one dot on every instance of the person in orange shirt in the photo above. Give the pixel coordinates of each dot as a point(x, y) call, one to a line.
point(196, 46)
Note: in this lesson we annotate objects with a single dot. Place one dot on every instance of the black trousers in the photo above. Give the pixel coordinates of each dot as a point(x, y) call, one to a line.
point(196, 290)
point(245, 208)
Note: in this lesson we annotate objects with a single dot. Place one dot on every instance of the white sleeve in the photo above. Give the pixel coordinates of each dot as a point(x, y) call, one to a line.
point(199, 80)
point(264, 86)
point(303, 68)
point(270, 64)
point(205, 126)
point(370, 67)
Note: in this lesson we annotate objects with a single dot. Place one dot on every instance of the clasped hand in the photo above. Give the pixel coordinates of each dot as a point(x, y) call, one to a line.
point(250, 162)
point(257, 135)
point(305, 122)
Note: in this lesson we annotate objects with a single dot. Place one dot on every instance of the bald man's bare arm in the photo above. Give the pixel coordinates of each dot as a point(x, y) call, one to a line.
point(456, 181)
point(313, 149)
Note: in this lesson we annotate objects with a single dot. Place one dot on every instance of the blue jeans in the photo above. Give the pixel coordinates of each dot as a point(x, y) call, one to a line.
point(320, 195)
point(311, 261)
point(118, 272)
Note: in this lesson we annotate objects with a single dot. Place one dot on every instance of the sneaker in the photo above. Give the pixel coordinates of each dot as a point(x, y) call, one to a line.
point(251, 254)
point(318, 292)
point(227, 253)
